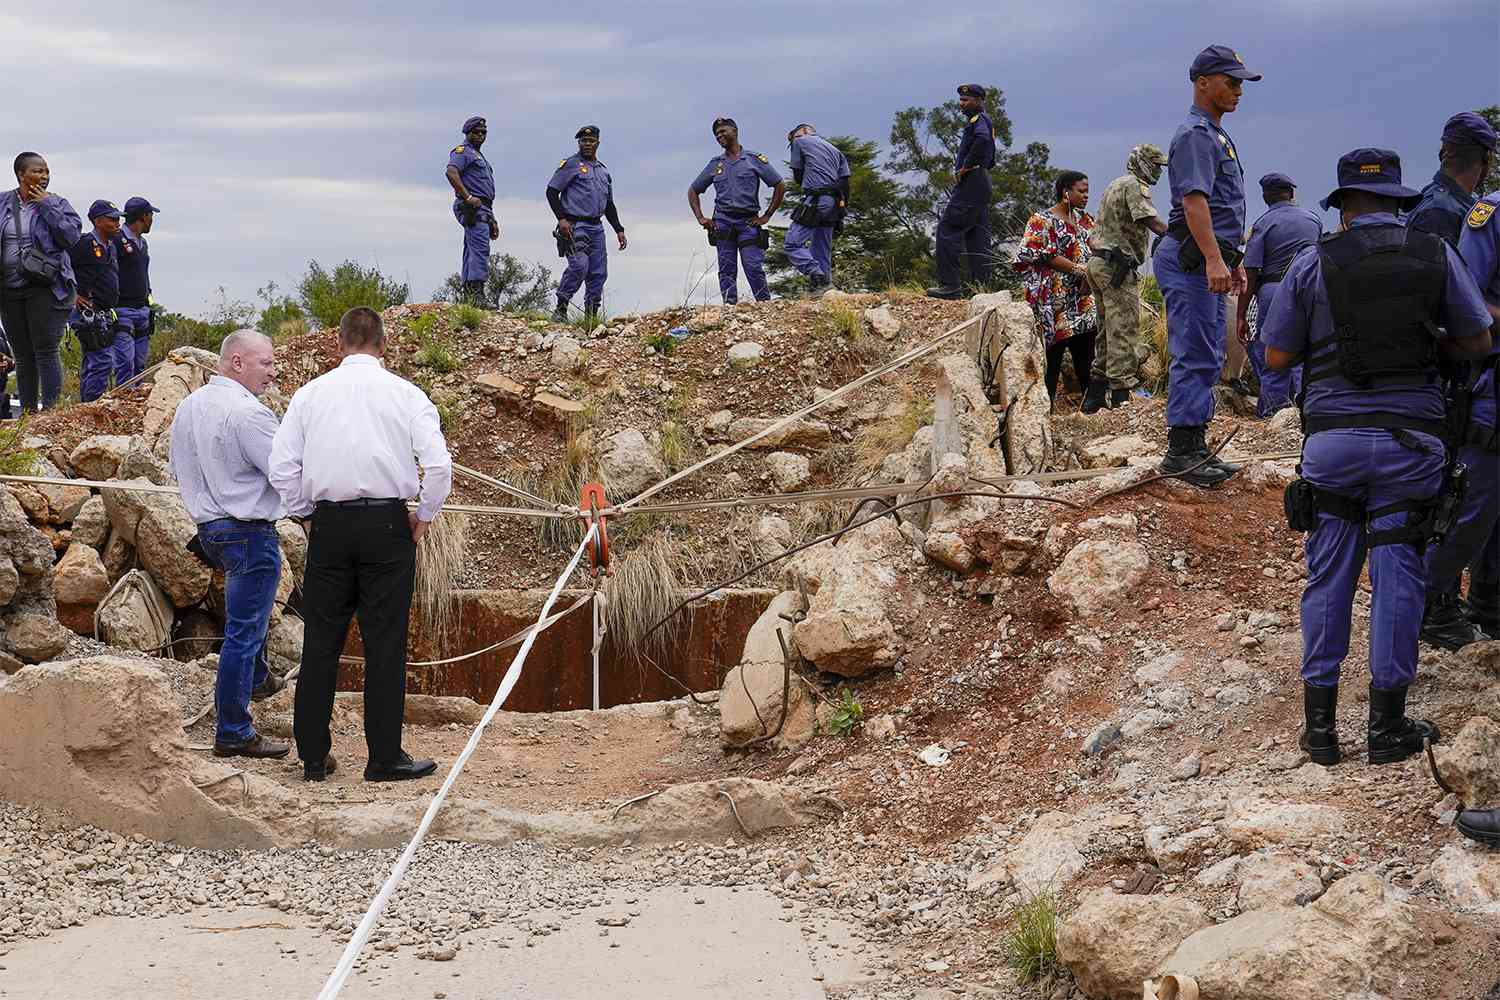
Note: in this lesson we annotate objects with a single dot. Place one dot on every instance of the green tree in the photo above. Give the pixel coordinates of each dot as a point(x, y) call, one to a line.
point(326, 295)
point(874, 249)
point(512, 285)
point(1490, 114)
point(278, 309)
point(924, 142)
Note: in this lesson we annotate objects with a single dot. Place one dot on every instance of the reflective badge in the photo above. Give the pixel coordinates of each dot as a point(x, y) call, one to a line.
point(1480, 214)
point(582, 169)
point(973, 120)
point(1369, 168)
point(762, 157)
point(98, 251)
point(720, 169)
point(458, 149)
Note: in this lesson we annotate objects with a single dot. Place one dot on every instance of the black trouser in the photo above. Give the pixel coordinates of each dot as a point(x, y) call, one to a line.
point(34, 321)
point(1081, 345)
point(360, 560)
point(964, 231)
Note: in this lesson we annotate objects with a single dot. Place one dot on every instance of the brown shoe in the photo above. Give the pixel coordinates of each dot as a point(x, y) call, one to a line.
point(317, 772)
point(270, 686)
point(258, 747)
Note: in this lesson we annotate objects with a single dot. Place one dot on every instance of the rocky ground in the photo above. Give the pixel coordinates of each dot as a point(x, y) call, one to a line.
point(1087, 693)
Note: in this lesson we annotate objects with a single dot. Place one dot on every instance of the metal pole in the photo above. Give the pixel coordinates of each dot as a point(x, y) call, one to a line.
point(598, 603)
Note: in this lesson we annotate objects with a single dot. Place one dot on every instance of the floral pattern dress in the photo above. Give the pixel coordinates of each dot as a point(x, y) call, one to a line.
point(1062, 304)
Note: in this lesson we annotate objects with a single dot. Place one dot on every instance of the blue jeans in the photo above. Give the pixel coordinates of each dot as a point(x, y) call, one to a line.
point(1376, 467)
point(1195, 337)
point(137, 323)
point(249, 553)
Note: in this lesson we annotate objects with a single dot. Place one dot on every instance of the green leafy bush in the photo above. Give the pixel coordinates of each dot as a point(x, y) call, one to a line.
point(847, 716)
point(327, 295)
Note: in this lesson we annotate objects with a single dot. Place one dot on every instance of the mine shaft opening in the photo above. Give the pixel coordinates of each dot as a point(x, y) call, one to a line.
point(703, 642)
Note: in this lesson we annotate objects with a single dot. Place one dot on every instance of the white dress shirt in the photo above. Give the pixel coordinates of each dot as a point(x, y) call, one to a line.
point(221, 446)
point(360, 431)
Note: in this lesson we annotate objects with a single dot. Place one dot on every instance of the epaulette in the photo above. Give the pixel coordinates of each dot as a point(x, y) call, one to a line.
point(458, 149)
point(1480, 214)
point(562, 163)
point(762, 157)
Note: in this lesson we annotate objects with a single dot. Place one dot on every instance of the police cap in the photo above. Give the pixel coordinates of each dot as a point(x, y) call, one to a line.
point(724, 121)
point(971, 90)
point(1277, 182)
point(138, 206)
point(1220, 59)
point(587, 132)
point(471, 122)
point(1468, 129)
point(102, 208)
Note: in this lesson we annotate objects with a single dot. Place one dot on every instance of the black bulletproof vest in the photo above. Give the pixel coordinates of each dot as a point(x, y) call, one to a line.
point(1385, 287)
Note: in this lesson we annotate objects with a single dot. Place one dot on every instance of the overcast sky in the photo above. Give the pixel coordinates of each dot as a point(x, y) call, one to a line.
point(274, 133)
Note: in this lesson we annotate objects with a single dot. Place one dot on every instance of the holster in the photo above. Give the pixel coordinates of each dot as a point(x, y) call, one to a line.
point(1121, 266)
point(713, 234)
point(96, 332)
point(807, 213)
point(1301, 503)
point(1449, 502)
point(471, 214)
point(763, 239)
point(564, 243)
point(1190, 257)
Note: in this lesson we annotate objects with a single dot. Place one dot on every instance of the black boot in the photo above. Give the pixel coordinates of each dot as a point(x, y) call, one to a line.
point(1320, 738)
point(1393, 736)
point(560, 314)
point(1482, 825)
point(1118, 398)
point(1200, 441)
point(945, 292)
point(1445, 625)
point(1483, 609)
point(1093, 399)
point(1184, 450)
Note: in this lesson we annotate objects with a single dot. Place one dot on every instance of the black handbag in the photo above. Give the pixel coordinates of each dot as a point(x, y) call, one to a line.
point(36, 267)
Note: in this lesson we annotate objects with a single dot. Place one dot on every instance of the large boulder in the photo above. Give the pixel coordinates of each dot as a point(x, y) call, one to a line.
point(1357, 941)
point(1097, 574)
point(178, 376)
point(1051, 854)
point(159, 527)
point(797, 434)
point(51, 503)
point(848, 627)
point(1470, 764)
point(91, 523)
point(1259, 822)
point(631, 464)
point(1111, 943)
point(750, 703)
point(1468, 876)
point(1007, 342)
point(142, 462)
point(24, 546)
point(98, 457)
point(34, 638)
point(79, 584)
point(973, 421)
point(138, 615)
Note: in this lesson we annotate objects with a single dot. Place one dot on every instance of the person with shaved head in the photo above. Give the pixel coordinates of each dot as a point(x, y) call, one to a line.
point(221, 451)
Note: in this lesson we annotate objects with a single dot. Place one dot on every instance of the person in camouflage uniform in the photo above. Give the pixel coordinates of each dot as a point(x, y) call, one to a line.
point(1126, 217)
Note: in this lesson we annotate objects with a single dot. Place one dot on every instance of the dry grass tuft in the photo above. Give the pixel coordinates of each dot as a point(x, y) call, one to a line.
point(645, 587)
point(441, 556)
point(890, 434)
point(1158, 358)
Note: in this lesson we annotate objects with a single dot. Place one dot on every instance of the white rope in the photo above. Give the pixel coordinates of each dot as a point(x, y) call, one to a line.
point(341, 972)
point(837, 394)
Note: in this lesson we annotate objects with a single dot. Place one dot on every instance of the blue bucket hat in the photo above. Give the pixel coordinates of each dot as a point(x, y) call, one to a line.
point(1220, 59)
point(1375, 171)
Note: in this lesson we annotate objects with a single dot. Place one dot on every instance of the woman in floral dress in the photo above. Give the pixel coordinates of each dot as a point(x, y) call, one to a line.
point(1053, 262)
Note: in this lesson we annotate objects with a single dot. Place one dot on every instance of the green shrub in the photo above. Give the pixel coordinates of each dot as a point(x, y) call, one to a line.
point(847, 715)
point(1031, 940)
point(436, 355)
point(663, 342)
point(15, 460)
point(279, 310)
point(423, 327)
point(465, 317)
point(327, 295)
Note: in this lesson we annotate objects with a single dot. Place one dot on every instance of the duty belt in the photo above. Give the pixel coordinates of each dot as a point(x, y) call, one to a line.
point(1312, 424)
point(1231, 253)
point(1271, 277)
point(592, 219)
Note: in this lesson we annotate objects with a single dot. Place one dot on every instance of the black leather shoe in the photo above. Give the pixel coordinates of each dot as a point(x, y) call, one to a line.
point(1320, 737)
point(560, 314)
point(258, 747)
point(1183, 453)
point(1118, 398)
point(1393, 736)
point(945, 292)
point(1093, 399)
point(271, 685)
point(1483, 609)
point(1482, 825)
point(1445, 625)
point(403, 768)
point(317, 772)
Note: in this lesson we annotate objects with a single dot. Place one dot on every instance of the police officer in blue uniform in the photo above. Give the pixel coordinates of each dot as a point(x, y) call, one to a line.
point(1198, 261)
point(1367, 313)
point(736, 227)
point(1276, 238)
point(134, 311)
point(965, 225)
point(473, 184)
point(822, 172)
point(107, 350)
point(581, 193)
point(1465, 158)
point(1450, 622)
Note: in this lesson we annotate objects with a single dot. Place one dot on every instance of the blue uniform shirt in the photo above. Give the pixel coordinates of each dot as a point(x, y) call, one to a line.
point(737, 182)
point(1279, 235)
point(1202, 158)
point(474, 170)
point(820, 161)
point(584, 185)
point(976, 147)
point(97, 268)
point(1479, 246)
point(1442, 209)
point(135, 263)
point(1300, 314)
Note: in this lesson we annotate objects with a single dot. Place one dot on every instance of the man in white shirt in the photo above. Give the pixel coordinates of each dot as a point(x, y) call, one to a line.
point(221, 443)
point(346, 457)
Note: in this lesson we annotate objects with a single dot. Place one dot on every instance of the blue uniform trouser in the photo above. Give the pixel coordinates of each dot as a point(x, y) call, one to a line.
point(588, 269)
point(476, 255)
point(1377, 467)
point(810, 248)
point(739, 243)
point(964, 229)
point(1277, 388)
point(1195, 338)
point(1472, 540)
point(249, 553)
point(137, 323)
point(116, 358)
